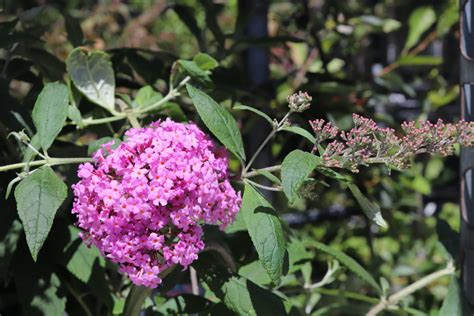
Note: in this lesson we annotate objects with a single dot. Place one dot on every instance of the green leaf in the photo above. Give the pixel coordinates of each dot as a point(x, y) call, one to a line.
point(205, 62)
point(419, 22)
point(193, 70)
point(452, 304)
point(255, 272)
point(254, 110)
point(218, 121)
point(237, 225)
point(147, 96)
point(74, 115)
point(295, 169)
point(93, 76)
point(328, 172)
point(419, 61)
point(81, 258)
point(347, 261)
point(74, 30)
point(95, 145)
point(266, 232)
point(370, 209)
point(297, 255)
point(270, 176)
point(300, 131)
point(28, 153)
point(448, 18)
point(38, 197)
point(50, 112)
point(421, 185)
point(442, 97)
point(246, 298)
point(390, 25)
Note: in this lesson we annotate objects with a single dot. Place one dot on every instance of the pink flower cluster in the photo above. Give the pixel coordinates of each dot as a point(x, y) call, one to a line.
point(368, 143)
point(142, 204)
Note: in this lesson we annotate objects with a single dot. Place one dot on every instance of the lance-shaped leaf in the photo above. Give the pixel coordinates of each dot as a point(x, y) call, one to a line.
point(452, 304)
point(93, 75)
point(254, 110)
point(347, 261)
point(266, 232)
point(218, 121)
point(296, 167)
point(50, 112)
point(299, 131)
point(205, 62)
point(370, 209)
point(419, 22)
point(38, 197)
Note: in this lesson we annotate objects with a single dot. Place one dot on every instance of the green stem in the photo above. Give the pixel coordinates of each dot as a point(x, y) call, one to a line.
point(262, 145)
point(49, 162)
point(256, 172)
point(398, 296)
point(258, 185)
point(174, 92)
point(171, 94)
point(132, 119)
point(135, 300)
point(346, 294)
point(91, 121)
point(137, 296)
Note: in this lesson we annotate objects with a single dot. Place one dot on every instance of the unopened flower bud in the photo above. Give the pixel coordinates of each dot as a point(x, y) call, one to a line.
point(299, 102)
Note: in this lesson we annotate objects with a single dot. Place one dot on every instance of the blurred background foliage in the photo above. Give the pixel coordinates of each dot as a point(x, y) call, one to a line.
point(389, 60)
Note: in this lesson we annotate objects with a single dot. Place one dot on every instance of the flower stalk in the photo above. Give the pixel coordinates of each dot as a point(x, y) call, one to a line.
point(172, 93)
point(50, 162)
point(393, 299)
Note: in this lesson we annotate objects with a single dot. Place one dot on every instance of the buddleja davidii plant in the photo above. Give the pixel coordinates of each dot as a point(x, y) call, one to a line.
point(92, 74)
point(40, 192)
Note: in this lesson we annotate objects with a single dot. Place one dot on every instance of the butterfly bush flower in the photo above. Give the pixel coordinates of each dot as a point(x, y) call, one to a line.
point(368, 143)
point(142, 204)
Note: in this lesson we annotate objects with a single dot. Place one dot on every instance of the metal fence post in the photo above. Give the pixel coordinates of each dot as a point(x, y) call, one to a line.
point(467, 154)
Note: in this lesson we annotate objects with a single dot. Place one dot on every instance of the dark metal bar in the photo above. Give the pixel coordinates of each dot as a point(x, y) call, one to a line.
point(467, 154)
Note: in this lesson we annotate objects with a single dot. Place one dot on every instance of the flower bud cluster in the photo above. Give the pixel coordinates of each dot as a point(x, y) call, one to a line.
point(299, 102)
point(323, 130)
point(142, 204)
point(368, 143)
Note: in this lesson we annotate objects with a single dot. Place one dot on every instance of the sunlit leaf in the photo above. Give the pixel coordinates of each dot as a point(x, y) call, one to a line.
point(254, 110)
point(218, 121)
point(93, 76)
point(420, 20)
point(266, 232)
point(300, 131)
point(370, 209)
point(452, 304)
